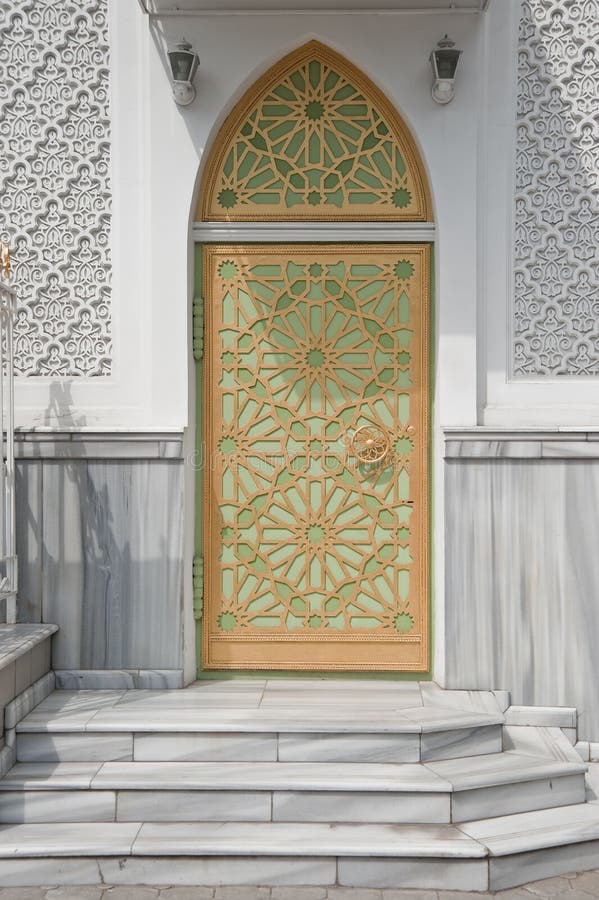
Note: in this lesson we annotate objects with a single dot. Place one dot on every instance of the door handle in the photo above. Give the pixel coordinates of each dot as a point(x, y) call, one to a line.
point(370, 444)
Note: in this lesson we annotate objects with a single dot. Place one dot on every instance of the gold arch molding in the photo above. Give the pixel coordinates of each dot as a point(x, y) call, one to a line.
point(314, 139)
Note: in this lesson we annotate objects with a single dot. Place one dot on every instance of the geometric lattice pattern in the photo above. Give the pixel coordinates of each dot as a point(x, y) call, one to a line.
point(55, 182)
point(557, 214)
point(314, 139)
point(305, 541)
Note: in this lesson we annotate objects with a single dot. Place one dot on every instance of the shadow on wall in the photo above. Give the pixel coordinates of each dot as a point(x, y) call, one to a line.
point(100, 547)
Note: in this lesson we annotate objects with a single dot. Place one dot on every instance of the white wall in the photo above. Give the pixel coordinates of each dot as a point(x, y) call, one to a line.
point(157, 151)
point(157, 148)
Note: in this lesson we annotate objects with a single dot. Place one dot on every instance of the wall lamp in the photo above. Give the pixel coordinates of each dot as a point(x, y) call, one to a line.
point(444, 61)
point(184, 62)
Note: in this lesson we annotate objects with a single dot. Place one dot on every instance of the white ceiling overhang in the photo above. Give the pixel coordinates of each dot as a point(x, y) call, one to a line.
point(174, 7)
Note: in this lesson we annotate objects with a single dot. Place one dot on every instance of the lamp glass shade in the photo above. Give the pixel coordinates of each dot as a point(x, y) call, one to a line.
point(183, 64)
point(446, 62)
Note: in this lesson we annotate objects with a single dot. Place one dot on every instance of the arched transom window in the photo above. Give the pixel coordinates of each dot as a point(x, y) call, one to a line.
point(314, 139)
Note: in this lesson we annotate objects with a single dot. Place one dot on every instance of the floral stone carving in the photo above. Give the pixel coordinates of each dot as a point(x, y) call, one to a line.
point(556, 311)
point(54, 169)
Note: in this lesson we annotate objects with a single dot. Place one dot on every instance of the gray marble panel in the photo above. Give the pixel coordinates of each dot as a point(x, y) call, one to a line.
point(49, 443)
point(158, 679)
point(93, 680)
point(118, 679)
point(88, 448)
point(112, 563)
point(22, 705)
point(360, 806)
point(28, 505)
point(7, 685)
point(191, 806)
point(230, 870)
point(464, 742)
point(349, 747)
point(522, 868)
point(570, 449)
point(446, 874)
point(8, 756)
point(493, 449)
point(72, 871)
point(23, 677)
point(570, 734)
point(41, 660)
point(539, 742)
point(74, 747)
point(482, 701)
point(544, 716)
point(198, 747)
point(583, 748)
point(508, 799)
point(57, 806)
point(522, 581)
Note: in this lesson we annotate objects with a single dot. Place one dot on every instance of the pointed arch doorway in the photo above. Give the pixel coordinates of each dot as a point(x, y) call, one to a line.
point(315, 400)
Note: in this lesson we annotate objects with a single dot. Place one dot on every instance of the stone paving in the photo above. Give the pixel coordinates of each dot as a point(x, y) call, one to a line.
point(564, 887)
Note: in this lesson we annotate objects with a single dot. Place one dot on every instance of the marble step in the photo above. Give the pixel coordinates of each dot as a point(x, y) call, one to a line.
point(450, 791)
point(112, 727)
point(490, 855)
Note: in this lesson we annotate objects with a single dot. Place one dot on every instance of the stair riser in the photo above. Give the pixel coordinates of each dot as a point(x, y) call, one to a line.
point(469, 875)
point(437, 745)
point(259, 747)
point(74, 747)
point(424, 874)
point(31, 806)
point(505, 799)
point(521, 868)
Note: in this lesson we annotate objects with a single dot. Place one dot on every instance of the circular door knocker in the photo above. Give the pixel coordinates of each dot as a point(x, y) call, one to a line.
point(370, 444)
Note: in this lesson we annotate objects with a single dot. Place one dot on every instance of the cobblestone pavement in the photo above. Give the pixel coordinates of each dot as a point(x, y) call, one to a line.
point(564, 887)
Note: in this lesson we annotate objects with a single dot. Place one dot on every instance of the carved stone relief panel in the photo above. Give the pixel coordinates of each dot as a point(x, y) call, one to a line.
point(556, 328)
point(55, 182)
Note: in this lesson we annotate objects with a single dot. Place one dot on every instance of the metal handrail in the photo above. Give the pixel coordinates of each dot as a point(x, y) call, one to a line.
point(8, 557)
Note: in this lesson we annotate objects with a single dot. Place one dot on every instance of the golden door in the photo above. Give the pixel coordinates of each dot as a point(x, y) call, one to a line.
point(316, 408)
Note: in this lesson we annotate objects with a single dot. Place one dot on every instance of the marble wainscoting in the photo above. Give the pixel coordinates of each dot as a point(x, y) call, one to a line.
point(522, 568)
point(100, 547)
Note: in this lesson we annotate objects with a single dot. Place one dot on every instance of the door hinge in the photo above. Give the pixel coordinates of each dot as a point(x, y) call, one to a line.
point(198, 328)
point(198, 586)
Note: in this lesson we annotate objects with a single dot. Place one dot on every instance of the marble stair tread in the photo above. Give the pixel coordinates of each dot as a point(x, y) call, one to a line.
point(266, 776)
point(537, 830)
point(75, 702)
point(304, 839)
point(503, 836)
point(468, 773)
point(329, 717)
point(68, 839)
point(349, 685)
point(394, 696)
point(236, 840)
point(441, 718)
point(222, 776)
point(183, 699)
point(448, 776)
point(16, 640)
point(69, 776)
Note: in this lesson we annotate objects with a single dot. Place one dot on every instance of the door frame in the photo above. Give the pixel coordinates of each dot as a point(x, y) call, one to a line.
point(289, 233)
